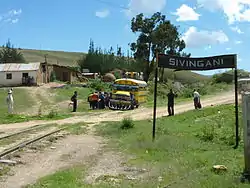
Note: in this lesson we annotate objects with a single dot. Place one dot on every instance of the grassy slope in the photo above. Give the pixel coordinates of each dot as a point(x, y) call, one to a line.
point(186, 148)
point(64, 94)
point(22, 102)
point(63, 58)
point(184, 76)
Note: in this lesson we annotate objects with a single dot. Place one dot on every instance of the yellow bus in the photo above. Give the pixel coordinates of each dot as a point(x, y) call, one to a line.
point(128, 93)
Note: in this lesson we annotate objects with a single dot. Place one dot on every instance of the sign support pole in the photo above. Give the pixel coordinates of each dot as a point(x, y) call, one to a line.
point(155, 97)
point(236, 104)
point(200, 64)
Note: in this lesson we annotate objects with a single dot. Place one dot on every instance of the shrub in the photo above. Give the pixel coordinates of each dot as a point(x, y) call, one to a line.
point(127, 123)
point(208, 133)
point(99, 85)
point(53, 76)
point(52, 114)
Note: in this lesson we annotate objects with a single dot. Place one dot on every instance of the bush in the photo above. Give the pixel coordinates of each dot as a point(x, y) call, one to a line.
point(208, 133)
point(52, 114)
point(53, 76)
point(98, 85)
point(127, 123)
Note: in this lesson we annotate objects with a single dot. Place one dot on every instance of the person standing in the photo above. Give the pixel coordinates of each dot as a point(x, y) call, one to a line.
point(101, 102)
point(197, 103)
point(95, 99)
point(74, 100)
point(132, 98)
point(171, 103)
point(90, 101)
point(10, 101)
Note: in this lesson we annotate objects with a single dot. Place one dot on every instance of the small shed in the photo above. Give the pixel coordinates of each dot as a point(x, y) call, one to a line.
point(90, 75)
point(14, 74)
point(63, 73)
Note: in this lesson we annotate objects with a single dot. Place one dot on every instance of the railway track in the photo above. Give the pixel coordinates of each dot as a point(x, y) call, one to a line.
point(23, 131)
point(28, 142)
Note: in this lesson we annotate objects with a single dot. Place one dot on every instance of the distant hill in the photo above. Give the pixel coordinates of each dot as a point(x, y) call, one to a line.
point(185, 76)
point(60, 57)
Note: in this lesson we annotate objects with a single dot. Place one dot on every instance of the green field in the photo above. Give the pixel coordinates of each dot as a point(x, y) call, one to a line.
point(182, 156)
point(64, 94)
point(23, 104)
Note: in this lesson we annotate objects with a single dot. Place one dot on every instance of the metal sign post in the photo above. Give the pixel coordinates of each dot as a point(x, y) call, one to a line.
point(200, 64)
point(246, 129)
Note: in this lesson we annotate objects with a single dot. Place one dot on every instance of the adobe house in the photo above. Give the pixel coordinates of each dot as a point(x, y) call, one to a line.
point(15, 74)
point(63, 73)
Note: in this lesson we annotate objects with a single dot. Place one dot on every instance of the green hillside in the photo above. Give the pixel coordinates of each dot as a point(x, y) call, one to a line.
point(184, 76)
point(63, 58)
point(70, 58)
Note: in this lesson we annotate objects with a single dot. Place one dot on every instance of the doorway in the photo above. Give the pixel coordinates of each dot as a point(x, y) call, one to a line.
point(65, 76)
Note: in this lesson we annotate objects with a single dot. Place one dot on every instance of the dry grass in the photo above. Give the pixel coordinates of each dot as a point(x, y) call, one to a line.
point(63, 58)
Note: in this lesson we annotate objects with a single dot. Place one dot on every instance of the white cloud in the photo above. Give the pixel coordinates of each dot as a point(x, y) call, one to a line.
point(228, 49)
point(186, 13)
point(15, 12)
point(208, 47)
point(15, 20)
point(238, 42)
point(237, 29)
point(102, 14)
point(235, 10)
point(144, 6)
point(11, 17)
point(196, 39)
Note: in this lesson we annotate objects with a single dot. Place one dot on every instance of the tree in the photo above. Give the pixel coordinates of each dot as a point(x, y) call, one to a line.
point(228, 76)
point(156, 34)
point(9, 54)
point(104, 61)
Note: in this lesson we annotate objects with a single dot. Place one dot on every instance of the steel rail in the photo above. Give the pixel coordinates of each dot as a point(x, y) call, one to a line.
point(25, 143)
point(23, 131)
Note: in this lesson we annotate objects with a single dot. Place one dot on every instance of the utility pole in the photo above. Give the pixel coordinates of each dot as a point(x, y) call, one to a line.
point(45, 58)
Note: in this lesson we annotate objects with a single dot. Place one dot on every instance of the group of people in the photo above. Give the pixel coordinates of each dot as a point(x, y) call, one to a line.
point(171, 96)
point(98, 100)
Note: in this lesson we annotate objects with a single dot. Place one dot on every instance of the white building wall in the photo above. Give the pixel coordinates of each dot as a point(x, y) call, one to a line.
point(16, 77)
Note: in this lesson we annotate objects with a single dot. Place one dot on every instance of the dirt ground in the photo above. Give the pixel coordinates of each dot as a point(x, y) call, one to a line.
point(64, 153)
point(40, 94)
point(79, 148)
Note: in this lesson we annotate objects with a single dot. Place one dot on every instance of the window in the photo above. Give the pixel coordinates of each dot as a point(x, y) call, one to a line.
point(25, 75)
point(8, 76)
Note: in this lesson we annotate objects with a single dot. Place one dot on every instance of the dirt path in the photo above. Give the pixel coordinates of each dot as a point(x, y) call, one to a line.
point(69, 151)
point(40, 95)
point(137, 114)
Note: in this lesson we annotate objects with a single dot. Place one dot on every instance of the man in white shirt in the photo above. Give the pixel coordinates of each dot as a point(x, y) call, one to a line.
point(197, 103)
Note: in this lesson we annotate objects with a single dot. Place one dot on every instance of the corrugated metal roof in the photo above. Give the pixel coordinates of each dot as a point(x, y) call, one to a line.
point(12, 67)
